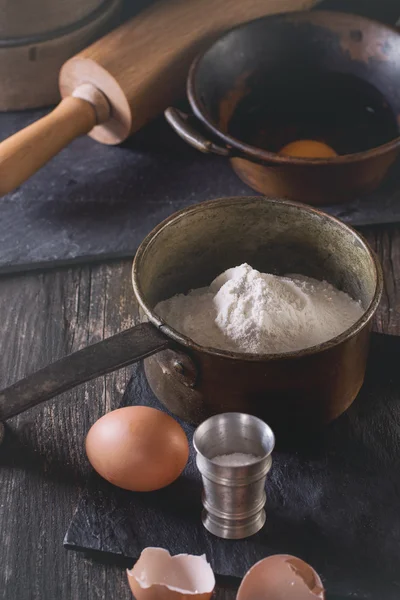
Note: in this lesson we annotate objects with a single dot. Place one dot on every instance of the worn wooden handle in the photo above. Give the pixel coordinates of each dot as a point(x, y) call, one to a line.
point(24, 153)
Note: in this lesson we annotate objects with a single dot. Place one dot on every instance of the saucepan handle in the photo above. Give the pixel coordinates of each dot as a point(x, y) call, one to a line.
point(106, 356)
point(181, 123)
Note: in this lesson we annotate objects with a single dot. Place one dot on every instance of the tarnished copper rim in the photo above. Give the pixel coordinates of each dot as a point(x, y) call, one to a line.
point(258, 154)
point(229, 201)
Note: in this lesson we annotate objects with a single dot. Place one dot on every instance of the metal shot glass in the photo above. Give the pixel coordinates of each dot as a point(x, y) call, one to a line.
point(233, 496)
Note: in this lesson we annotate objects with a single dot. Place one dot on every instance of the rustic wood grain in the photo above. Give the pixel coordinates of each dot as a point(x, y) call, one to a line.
point(25, 19)
point(36, 38)
point(386, 242)
point(42, 463)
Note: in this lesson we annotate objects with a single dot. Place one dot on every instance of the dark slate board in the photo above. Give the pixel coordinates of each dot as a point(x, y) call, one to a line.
point(334, 501)
point(95, 202)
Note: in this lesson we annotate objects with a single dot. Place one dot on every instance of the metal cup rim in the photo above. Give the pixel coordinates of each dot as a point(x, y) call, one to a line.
point(233, 414)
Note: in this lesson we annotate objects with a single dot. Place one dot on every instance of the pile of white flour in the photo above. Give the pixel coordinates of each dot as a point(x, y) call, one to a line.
point(244, 310)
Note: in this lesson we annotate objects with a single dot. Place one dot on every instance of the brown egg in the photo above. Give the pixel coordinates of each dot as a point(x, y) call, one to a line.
point(137, 448)
point(159, 576)
point(307, 149)
point(281, 577)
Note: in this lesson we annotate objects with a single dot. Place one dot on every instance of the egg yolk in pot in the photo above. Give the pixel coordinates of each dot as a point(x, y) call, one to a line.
point(307, 149)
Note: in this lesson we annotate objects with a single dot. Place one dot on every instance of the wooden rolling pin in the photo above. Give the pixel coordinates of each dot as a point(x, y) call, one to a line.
point(121, 82)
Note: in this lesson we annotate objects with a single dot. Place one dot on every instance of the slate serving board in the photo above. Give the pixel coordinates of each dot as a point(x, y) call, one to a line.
point(94, 202)
point(334, 501)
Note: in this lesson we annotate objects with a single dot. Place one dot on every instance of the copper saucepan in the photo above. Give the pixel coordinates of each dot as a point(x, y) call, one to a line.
point(188, 250)
point(319, 75)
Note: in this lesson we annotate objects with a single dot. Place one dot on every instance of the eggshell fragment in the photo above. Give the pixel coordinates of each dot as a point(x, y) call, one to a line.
point(159, 576)
point(281, 577)
point(137, 448)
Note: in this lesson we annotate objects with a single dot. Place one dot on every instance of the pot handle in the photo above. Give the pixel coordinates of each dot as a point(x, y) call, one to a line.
point(180, 122)
point(113, 353)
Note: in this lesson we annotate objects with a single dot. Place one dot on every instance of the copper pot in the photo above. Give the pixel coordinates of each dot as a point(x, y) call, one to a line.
point(312, 387)
point(284, 77)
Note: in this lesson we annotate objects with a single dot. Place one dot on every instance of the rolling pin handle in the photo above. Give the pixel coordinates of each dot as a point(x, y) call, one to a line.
point(25, 152)
point(96, 98)
point(180, 122)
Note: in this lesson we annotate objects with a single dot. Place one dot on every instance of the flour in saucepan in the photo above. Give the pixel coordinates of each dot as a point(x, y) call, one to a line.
point(244, 310)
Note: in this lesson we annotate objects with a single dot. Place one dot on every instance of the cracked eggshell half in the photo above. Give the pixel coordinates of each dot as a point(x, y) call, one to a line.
point(159, 576)
point(281, 577)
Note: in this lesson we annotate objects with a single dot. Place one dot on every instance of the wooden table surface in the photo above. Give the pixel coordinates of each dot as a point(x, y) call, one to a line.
point(45, 315)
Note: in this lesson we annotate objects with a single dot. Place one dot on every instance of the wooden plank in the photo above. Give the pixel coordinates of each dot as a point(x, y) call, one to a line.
point(42, 464)
point(386, 243)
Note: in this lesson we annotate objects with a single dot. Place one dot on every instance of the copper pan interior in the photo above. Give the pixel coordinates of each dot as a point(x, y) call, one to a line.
point(195, 245)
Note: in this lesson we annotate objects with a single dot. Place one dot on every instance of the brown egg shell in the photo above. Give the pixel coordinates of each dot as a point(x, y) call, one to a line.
point(281, 577)
point(137, 448)
point(159, 576)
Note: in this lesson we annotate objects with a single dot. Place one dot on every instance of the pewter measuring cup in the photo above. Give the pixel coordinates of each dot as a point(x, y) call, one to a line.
point(233, 496)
